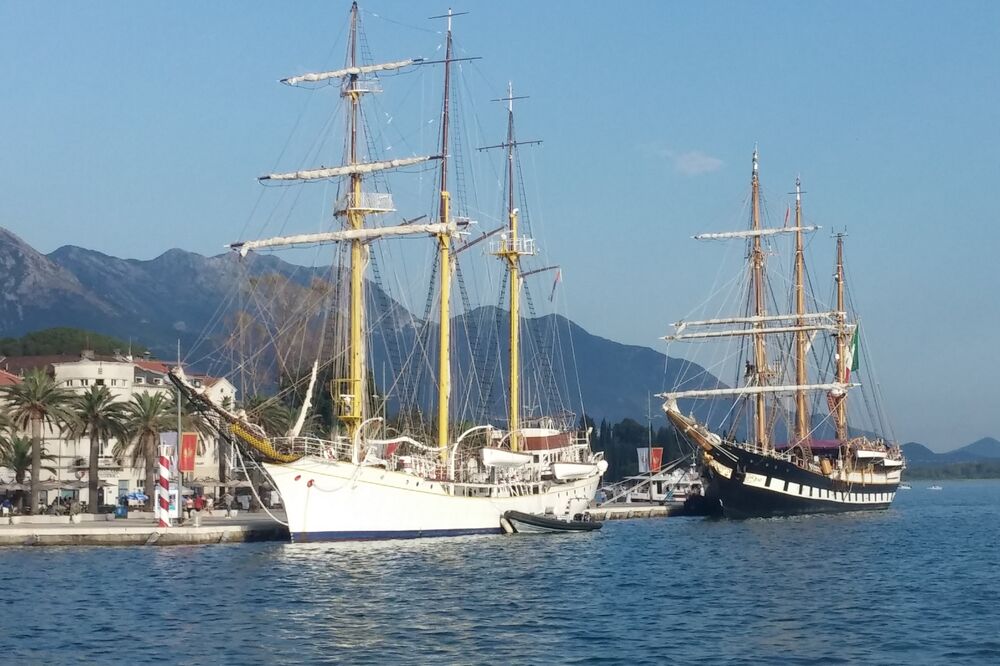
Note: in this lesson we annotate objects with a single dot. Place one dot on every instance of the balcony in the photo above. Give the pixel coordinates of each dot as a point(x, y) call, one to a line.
point(368, 202)
point(506, 246)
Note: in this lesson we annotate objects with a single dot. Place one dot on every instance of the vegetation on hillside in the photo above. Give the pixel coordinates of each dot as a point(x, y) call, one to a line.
point(65, 340)
point(986, 469)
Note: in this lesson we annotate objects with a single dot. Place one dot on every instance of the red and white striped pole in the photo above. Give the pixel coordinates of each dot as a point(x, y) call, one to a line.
point(163, 491)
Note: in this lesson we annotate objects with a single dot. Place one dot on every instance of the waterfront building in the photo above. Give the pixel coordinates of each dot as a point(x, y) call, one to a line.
point(124, 376)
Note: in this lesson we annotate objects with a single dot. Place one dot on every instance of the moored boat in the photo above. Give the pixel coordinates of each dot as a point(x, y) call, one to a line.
point(672, 484)
point(528, 523)
point(749, 470)
point(361, 479)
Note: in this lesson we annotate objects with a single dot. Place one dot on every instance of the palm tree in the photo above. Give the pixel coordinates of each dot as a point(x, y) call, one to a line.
point(103, 418)
point(35, 402)
point(15, 455)
point(269, 413)
point(6, 425)
point(146, 416)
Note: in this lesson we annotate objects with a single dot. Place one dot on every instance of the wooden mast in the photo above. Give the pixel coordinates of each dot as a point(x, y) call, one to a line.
point(841, 410)
point(444, 263)
point(513, 266)
point(760, 354)
point(510, 248)
point(352, 413)
point(801, 413)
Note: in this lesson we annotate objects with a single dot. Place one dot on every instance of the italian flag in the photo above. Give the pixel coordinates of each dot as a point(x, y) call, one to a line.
point(853, 360)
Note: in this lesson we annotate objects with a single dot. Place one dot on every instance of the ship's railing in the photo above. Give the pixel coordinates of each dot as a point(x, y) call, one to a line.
point(753, 447)
point(572, 453)
point(424, 462)
point(338, 449)
point(466, 469)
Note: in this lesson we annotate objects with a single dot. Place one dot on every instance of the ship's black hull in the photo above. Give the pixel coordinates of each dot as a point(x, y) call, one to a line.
point(750, 485)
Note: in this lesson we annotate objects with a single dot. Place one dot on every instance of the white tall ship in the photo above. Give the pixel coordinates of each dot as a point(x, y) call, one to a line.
point(367, 481)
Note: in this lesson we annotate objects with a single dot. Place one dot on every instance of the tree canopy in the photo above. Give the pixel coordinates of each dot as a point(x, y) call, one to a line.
point(65, 340)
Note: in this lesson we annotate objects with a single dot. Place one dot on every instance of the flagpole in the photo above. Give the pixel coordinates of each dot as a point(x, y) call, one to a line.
point(177, 446)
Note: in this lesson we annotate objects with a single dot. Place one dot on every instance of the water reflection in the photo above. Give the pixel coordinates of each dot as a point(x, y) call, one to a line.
point(915, 583)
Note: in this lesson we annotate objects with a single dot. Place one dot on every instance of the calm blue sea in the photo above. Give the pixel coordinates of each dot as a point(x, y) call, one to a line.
point(917, 584)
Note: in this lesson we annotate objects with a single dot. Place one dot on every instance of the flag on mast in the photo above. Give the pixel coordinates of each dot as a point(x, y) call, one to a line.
point(555, 283)
point(853, 360)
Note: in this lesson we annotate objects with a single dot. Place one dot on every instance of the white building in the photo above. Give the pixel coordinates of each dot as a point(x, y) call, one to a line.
point(124, 377)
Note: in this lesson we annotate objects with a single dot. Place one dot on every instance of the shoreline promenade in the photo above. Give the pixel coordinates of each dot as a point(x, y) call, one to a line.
point(140, 531)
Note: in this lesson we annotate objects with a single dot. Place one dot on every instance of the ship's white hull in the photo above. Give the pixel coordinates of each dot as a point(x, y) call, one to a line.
point(328, 500)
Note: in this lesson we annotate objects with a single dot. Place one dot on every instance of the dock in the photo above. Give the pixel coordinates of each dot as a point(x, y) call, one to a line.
point(138, 530)
point(629, 510)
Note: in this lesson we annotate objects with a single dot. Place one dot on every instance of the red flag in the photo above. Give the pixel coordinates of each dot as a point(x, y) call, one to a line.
point(656, 459)
point(189, 446)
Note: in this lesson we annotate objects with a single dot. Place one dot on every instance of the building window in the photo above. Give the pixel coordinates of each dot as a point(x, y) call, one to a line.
point(84, 382)
point(69, 382)
point(99, 382)
point(140, 380)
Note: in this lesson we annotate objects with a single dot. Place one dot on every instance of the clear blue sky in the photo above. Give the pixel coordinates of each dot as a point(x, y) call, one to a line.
point(131, 128)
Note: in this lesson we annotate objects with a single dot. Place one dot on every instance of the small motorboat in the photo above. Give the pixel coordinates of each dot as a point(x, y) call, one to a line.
point(905, 486)
point(516, 522)
point(933, 487)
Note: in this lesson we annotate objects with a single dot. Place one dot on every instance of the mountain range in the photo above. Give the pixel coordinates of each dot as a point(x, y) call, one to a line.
point(986, 449)
point(173, 297)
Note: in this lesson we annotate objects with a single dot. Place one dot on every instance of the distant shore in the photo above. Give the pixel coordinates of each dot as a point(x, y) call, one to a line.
point(967, 470)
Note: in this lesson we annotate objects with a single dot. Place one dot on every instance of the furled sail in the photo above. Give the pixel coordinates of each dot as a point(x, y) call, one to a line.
point(749, 331)
point(754, 390)
point(349, 71)
point(759, 319)
point(348, 169)
point(306, 404)
point(750, 233)
point(363, 234)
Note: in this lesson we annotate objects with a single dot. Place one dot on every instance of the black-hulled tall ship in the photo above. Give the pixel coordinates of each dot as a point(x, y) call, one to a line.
point(782, 444)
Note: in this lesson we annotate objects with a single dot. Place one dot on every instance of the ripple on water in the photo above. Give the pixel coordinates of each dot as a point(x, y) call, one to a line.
point(915, 584)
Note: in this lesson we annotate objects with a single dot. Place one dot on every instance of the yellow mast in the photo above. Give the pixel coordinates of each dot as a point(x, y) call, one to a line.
point(515, 286)
point(444, 262)
point(510, 248)
point(511, 251)
point(760, 354)
point(801, 413)
point(841, 411)
point(351, 413)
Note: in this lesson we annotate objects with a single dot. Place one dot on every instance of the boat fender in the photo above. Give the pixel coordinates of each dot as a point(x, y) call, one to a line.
point(309, 483)
point(825, 466)
point(506, 526)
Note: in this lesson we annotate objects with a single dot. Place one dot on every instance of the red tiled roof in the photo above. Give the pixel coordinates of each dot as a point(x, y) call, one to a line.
point(153, 366)
point(8, 378)
point(11, 368)
point(18, 365)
